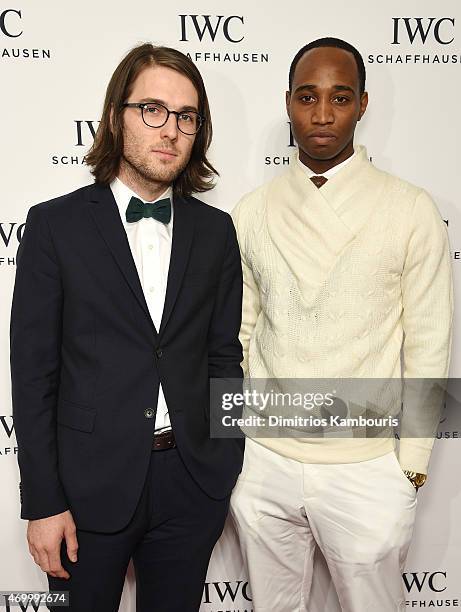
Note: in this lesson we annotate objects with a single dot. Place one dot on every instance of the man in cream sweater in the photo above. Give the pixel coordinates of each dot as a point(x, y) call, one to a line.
point(343, 266)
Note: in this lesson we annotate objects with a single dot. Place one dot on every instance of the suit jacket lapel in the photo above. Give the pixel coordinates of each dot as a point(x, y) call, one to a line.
point(183, 231)
point(107, 218)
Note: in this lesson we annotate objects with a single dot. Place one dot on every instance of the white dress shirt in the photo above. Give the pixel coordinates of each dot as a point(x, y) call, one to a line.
point(329, 173)
point(150, 244)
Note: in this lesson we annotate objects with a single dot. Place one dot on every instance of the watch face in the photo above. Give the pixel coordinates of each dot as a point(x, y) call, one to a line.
point(417, 480)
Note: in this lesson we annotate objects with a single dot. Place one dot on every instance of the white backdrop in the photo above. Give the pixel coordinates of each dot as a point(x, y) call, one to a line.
point(55, 62)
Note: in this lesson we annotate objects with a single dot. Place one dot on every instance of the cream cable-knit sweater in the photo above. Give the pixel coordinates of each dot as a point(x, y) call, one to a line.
point(336, 280)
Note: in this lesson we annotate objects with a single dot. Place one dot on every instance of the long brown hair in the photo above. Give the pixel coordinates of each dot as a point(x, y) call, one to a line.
point(106, 152)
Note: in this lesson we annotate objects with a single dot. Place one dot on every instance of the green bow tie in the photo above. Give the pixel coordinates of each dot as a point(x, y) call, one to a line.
point(137, 209)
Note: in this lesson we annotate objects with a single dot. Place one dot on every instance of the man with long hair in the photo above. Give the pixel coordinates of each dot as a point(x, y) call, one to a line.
point(127, 301)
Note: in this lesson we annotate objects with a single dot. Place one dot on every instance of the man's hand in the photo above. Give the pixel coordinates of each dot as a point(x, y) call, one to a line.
point(44, 537)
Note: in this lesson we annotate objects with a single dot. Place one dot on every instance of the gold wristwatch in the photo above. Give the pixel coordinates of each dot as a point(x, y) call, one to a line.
point(416, 479)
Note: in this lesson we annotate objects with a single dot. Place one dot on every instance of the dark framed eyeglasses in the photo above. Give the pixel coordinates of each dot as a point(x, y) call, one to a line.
point(155, 115)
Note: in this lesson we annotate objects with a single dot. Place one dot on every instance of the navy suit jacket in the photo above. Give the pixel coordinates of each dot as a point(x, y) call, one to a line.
point(87, 360)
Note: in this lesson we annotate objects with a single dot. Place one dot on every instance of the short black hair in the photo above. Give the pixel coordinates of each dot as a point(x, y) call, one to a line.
point(330, 42)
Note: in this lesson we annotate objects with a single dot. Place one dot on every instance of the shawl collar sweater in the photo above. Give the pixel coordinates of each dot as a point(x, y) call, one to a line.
point(352, 280)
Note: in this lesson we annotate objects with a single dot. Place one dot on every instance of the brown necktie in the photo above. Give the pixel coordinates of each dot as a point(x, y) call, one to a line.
point(318, 181)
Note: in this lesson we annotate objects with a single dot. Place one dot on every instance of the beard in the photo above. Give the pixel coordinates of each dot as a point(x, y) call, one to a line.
point(154, 171)
point(146, 168)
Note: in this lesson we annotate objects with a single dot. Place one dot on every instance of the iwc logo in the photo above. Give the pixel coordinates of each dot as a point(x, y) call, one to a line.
point(430, 40)
point(84, 132)
point(227, 596)
point(7, 446)
point(428, 590)
point(12, 32)
point(210, 31)
point(10, 237)
point(282, 159)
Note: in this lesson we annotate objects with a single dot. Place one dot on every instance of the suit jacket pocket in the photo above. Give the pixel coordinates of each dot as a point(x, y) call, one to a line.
point(76, 417)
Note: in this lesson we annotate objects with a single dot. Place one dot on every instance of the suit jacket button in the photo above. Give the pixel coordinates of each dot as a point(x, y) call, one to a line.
point(148, 413)
point(159, 353)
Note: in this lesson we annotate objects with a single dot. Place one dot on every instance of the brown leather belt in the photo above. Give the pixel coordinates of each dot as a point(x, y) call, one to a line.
point(164, 440)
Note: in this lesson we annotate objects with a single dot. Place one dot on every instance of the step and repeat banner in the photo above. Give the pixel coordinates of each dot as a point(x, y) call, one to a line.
point(55, 61)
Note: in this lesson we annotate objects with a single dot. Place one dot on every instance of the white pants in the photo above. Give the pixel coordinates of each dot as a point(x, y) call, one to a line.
point(361, 516)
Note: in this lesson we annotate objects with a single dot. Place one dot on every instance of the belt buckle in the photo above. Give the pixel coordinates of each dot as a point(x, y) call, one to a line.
point(164, 441)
